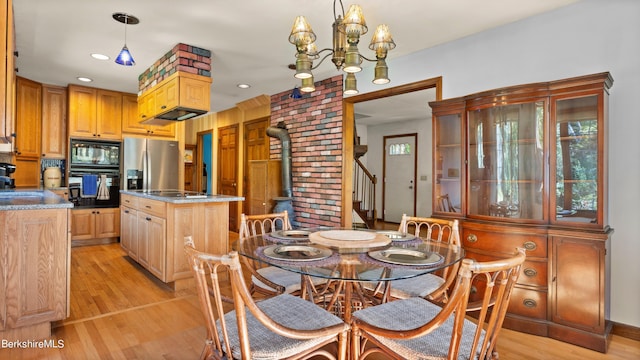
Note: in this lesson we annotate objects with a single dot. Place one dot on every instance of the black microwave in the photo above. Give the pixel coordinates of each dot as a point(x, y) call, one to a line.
point(94, 154)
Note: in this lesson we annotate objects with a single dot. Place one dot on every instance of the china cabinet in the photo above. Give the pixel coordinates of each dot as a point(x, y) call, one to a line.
point(526, 166)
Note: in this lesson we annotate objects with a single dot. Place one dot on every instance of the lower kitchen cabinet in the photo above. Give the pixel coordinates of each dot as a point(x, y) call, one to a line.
point(153, 232)
point(94, 226)
point(35, 272)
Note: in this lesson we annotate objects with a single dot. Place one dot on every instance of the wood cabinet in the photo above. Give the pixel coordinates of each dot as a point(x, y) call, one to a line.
point(153, 233)
point(527, 167)
point(179, 91)
point(95, 113)
point(35, 270)
point(28, 118)
point(131, 120)
point(54, 122)
point(265, 184)
point(7, 73)
point(97, 225)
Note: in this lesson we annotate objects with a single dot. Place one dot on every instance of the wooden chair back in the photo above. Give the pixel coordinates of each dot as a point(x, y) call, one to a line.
point(437, 230)
point(498, 278)
point(219, 332)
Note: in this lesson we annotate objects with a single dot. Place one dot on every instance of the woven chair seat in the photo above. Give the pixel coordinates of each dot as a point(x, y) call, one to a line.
point(288, 279)
point(400, 315)
point(417, 286)
point(287, 310)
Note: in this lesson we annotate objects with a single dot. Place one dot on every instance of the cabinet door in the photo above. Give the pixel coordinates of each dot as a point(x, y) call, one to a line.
point(83, 224)
point(578, 284)
point(146, 106)
point(54, 125)
point(37, 251)
point(107, 223)
point(166, 96)
point(129, 232)
point(506, 161)
point(144, 228)
point(157, 247)
point(165, 131)
point(194, 93)
point(447, 165)
point(109, 115)
point(27, 172)
point(7, 72)
point(82, 111)
point(131, 115)
point(577, 160)
point(28, 118)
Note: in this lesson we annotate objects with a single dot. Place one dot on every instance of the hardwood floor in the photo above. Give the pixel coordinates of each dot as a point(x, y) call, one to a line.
point(120, 311)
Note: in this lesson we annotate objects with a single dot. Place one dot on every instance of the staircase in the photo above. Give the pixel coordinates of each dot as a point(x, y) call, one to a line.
point(364, 195)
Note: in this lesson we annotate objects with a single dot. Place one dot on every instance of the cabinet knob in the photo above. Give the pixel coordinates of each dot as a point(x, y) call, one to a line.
point(530, 303)
point(148, 218)
point(530, 245)
point(126, 211)
point(530, 272)
point(163, 107)
point(472, 238)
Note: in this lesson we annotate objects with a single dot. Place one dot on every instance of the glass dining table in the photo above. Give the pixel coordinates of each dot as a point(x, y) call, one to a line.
point(348, 259)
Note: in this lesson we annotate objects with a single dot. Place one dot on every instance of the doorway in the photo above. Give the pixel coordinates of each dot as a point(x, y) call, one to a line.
point(228, 169)
point(399, 185)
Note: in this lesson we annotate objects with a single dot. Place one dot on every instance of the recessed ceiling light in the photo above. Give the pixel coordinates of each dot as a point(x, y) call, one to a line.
point(99, 56)
point(244, 86)
point(85, 79)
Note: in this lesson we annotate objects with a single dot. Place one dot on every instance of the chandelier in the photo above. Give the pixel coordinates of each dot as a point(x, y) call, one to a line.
point(347, 29)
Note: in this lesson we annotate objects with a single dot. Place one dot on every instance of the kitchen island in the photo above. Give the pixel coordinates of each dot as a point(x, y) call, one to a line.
point(35, 248)
point(153, 225)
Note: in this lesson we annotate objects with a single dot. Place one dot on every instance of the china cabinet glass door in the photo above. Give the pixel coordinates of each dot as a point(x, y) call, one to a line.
point(577, 162)
point(505, 155)
point(448, 163)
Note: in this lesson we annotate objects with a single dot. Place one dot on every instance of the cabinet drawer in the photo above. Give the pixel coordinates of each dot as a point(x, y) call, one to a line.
point(529, 303)
point(129, 201)
point(153, 207)
point(504, 242)
point(532, 272)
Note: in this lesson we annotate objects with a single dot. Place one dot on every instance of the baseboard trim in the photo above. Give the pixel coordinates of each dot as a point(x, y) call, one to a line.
point(627, 331)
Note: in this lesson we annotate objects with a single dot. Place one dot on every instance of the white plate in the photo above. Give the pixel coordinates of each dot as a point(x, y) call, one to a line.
point(403, 256)
point(351, 235)
point(396, 235)
point(291, 234)
point(296, 252)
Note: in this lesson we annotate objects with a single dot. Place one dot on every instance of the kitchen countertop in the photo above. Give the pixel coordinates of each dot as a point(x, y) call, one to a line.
point(178, 196)
point(27, 199)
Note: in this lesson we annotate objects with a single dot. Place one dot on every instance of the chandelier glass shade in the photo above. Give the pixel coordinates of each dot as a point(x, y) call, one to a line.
point(347, 30)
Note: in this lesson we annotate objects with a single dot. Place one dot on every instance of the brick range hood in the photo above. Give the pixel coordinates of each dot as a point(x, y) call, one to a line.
point(176, 87)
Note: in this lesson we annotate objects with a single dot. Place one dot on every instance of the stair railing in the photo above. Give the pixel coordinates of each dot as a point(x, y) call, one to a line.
point(364, 188)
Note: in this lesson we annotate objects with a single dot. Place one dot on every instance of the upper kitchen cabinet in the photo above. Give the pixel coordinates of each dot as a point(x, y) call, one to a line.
point(7, 73)
point(28, 118)
point(179, 97)
point(526, 166)
point(54, 125)
point(131, 119)
point(95, 113)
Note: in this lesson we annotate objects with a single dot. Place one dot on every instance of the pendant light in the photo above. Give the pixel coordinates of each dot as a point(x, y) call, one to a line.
point(124, 57)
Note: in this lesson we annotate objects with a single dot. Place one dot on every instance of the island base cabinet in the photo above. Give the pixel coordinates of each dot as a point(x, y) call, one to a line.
point(35, 272)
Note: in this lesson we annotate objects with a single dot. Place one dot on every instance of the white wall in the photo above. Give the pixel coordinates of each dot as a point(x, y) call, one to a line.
point(375, 154)
point(588, 37)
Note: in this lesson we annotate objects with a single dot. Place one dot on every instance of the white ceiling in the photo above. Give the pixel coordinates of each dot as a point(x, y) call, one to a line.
point(248, 38)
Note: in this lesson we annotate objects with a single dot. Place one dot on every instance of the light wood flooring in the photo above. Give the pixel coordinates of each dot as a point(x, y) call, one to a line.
point(120, 311)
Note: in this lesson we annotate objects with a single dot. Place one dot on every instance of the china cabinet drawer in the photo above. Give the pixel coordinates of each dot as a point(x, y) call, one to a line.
point(529, 303)
point(504, 242)
point(533, 273)
point(153, 207)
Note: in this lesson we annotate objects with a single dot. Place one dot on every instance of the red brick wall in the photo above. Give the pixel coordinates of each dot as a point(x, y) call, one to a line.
point(314, 123)
point(182, 57)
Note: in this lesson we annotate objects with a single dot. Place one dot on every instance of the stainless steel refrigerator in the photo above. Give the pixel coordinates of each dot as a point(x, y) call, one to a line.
point(150, 164)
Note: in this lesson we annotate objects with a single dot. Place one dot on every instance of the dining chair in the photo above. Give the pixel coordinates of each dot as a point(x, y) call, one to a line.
point(279, 327)
point(432, 286)
point(265, 279)
point(416, 328)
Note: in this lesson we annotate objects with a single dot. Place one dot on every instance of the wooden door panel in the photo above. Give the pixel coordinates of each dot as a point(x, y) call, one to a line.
point(256, 147)
point(227, 168)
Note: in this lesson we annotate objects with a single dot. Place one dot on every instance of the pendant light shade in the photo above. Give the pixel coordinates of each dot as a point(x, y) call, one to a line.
point(124, 57)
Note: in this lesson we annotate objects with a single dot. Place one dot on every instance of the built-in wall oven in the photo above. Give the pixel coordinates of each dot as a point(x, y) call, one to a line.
point(94, 173)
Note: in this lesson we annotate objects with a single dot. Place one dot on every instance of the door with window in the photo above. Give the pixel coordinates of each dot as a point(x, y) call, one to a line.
point(399, 188)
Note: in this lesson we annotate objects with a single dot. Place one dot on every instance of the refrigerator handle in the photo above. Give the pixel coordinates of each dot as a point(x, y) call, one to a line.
point(146, 172)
